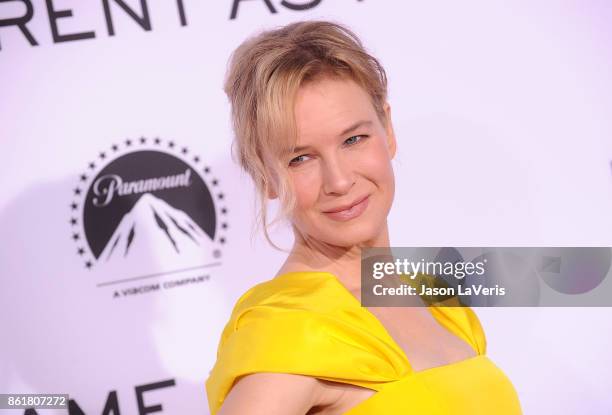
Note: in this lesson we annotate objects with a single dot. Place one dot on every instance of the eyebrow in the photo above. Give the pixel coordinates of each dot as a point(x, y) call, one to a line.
point(355, 126)
point(351, 128)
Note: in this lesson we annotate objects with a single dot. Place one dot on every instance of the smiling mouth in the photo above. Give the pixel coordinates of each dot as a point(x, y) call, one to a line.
point(349, 212)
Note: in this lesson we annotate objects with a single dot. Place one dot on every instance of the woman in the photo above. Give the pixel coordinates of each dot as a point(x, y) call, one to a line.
point(313, 128)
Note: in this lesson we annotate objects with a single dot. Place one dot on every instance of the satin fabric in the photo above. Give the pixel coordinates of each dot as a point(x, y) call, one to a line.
point(308, 323)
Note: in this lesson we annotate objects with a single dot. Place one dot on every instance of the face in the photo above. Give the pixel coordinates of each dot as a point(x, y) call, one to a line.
point(341, 169)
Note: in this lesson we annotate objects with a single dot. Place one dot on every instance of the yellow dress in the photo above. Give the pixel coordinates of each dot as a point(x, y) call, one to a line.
point(308, 323)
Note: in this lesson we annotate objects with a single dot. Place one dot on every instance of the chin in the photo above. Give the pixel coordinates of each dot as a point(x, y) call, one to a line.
point(351, 235)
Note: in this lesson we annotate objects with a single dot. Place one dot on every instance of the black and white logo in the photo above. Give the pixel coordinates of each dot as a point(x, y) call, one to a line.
point(147, 207)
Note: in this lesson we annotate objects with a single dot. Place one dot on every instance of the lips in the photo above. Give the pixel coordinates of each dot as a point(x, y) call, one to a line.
point(346, 207)
point(350, 211)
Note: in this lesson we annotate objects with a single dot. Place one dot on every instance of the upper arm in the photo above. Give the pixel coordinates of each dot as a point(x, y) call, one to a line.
point(272, 394)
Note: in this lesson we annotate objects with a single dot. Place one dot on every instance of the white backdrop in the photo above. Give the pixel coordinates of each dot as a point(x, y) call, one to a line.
point(503, 115)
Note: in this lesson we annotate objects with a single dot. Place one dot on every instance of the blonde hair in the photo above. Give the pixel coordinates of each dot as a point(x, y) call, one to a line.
point(263, 77)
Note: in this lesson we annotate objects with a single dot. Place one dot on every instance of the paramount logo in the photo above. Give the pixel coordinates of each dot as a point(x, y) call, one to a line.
point(106, 187)
point(147, 211)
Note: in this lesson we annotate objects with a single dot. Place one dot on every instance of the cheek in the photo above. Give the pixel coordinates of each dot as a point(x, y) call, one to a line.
point(376, 163)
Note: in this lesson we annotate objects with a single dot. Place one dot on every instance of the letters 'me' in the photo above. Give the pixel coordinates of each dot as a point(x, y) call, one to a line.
point(112, 402)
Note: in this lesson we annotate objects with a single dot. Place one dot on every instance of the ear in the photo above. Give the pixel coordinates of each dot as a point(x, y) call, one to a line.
point(271, 193)
point(391, 141)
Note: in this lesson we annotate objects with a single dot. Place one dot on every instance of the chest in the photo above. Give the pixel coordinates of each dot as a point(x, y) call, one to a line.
point(424, 341)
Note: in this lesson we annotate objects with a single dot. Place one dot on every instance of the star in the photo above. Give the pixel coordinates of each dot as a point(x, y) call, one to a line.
point(81, 251)
point(222, 240)
point(115, 147)
point(220, 196)
point(83, 177)
point(184, 150)
point(88, 264)
point(74, 206)
point(77, 191)
point(157, 141)
point(75, 236)
point(206, 169)
point(128, 142)
point(73, 221)
point(92, 165)
point(215, 182)
point(102, 155)
point(196, 159)
point(171, 144)
point(224, 225)
point(143, 140)
point(223, 210)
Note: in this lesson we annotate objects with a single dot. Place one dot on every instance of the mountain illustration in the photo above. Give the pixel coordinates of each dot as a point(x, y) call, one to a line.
point(155, 236)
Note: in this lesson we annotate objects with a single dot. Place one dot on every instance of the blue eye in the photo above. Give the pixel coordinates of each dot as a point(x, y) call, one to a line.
point(354, 139)
point(297, 160)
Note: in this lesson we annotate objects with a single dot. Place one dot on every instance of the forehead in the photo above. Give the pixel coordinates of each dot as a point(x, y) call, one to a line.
point(326, 106)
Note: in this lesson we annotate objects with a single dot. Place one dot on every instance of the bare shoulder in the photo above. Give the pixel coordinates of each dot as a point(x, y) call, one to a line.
point(276, 394)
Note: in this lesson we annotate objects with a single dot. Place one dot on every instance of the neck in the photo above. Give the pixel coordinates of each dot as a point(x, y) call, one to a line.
point(308, 254)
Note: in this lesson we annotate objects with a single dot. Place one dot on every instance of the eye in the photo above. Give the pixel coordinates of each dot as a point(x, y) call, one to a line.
point(297, 160)
point(354, 139)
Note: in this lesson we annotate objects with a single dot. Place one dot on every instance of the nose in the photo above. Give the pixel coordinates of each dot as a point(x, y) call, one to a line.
point(338, 176)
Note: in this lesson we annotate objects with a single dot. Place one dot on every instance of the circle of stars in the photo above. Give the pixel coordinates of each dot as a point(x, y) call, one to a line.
point(81, 190)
